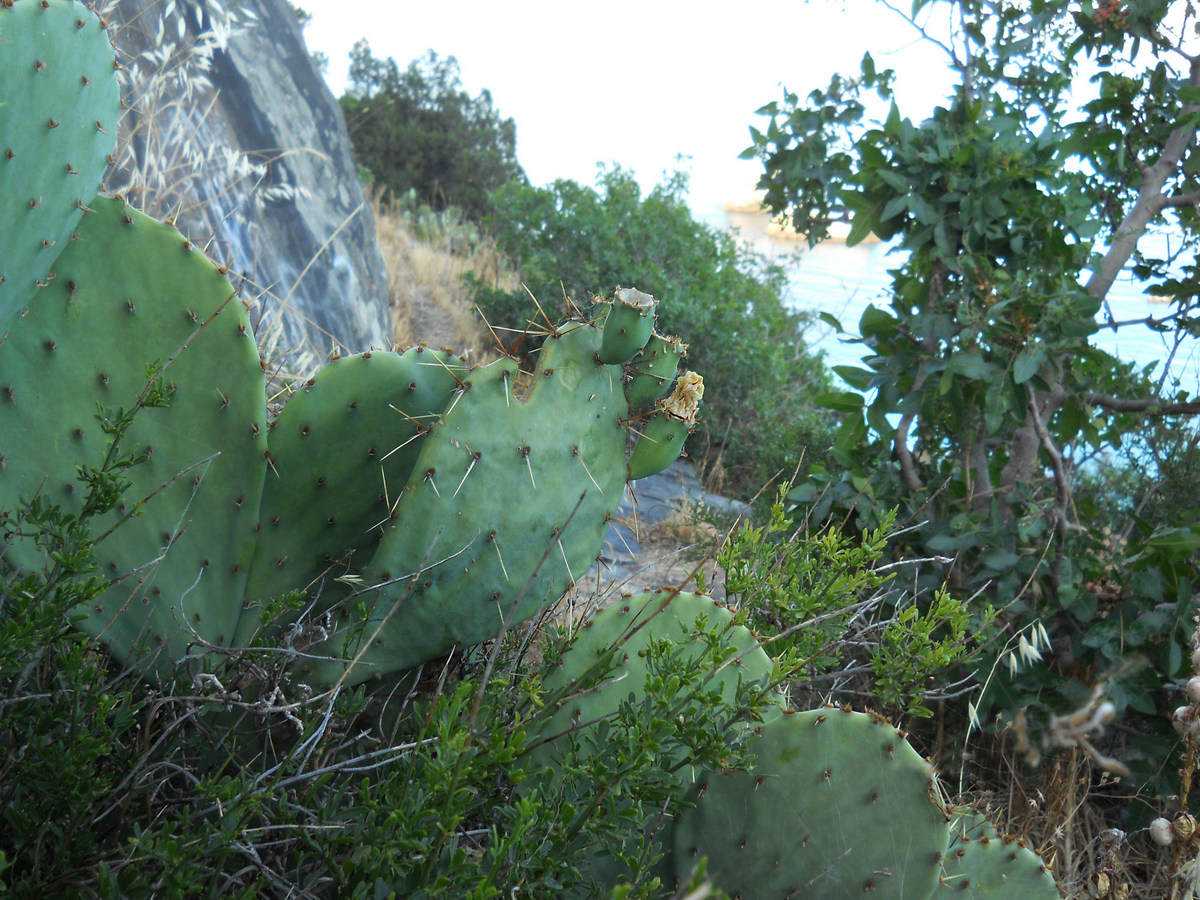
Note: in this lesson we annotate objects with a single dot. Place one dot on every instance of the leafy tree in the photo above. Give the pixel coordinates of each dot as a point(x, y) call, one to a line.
point(1065, 153)
point(577, 241)
point(419, 129)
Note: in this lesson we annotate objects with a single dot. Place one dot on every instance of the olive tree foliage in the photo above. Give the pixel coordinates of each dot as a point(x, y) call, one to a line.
point(1064, 154)
point(419, 129)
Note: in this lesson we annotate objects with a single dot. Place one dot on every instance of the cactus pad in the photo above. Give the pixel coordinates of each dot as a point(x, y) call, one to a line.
point(652, 370)
point(980, 863)
point(342, 450)
point(663, 432)
point(627, 629)
point(507, 505)
point(838, 804)
point(129, 292)
point(628, 325)
point(58, 125)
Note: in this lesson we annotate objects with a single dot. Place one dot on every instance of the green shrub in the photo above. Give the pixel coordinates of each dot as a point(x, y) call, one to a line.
point(826, 607)
point(243, 782)
point(419, 130)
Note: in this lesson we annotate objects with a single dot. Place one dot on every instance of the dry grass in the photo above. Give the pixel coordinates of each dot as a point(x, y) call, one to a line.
point(425, 290)
point(1069, 810)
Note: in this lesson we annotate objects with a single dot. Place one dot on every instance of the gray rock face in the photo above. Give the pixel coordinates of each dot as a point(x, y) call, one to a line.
point(232, 134)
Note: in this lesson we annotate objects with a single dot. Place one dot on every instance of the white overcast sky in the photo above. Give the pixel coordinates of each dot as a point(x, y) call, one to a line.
point(636, 83)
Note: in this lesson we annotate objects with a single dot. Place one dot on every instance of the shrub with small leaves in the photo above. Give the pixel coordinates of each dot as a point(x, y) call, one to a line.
point(830, 614)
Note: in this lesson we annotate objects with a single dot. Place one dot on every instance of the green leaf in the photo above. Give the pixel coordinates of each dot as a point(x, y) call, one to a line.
point(843, 401)
point(830, 320)
point(861, 227)
point(970, 365)
point(1027, 364)
point(891, 127)
point(1079, 327)
point(894, 207)
point(852, 433)
point(859, 379)
point(1177, 540)
point(999, 559)
point(874, 322)
point(868, 67)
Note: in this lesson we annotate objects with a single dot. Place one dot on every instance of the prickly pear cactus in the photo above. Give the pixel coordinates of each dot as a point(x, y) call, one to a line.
point(126, 292)
point(980, 863)
point(58, 121)
point(341, 452)
point(507, 505)
point(442, 501)
point(838, 804)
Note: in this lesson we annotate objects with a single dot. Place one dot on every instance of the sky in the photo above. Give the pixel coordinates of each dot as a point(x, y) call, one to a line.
point(636, 83)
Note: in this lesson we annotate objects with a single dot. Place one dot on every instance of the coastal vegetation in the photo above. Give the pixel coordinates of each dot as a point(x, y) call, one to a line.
point(983, 539)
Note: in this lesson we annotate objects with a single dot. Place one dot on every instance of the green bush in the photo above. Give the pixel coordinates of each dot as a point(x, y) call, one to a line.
point(419, 130)
point(574, 241)
point(826, 606)
point(243, 782)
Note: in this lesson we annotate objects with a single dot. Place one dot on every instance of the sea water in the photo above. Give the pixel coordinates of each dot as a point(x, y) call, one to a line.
point(842, 281)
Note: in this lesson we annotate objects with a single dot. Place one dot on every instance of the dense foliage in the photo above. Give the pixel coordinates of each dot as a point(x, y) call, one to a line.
point(245, 782)
point(420, 130)
point(1064, 153)
point(574, 241)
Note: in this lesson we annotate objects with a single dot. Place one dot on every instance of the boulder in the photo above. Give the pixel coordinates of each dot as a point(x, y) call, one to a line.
point(232, 134)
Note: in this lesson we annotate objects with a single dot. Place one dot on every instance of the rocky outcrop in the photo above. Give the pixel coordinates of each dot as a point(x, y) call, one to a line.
point(232, 133)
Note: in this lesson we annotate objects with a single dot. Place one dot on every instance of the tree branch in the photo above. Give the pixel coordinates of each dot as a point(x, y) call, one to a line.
point(962, 67)
point(908, 470)
point(1151, 406)
point(1182, 200)
point(1150, 200)
point(1057, 464)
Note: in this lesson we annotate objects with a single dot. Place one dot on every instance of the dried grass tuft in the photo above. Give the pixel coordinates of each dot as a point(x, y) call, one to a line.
point(426, 293)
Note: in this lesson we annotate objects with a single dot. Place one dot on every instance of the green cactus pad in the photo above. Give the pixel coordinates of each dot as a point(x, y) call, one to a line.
point(652, 370)
point(659, 444)
point(980, 863)
point(628, 325)
point(629, 627)
point(58, 126)
point(662, 433)
point(342, 450)
point(838, 804)
point(481, 534)
point(129, 292)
